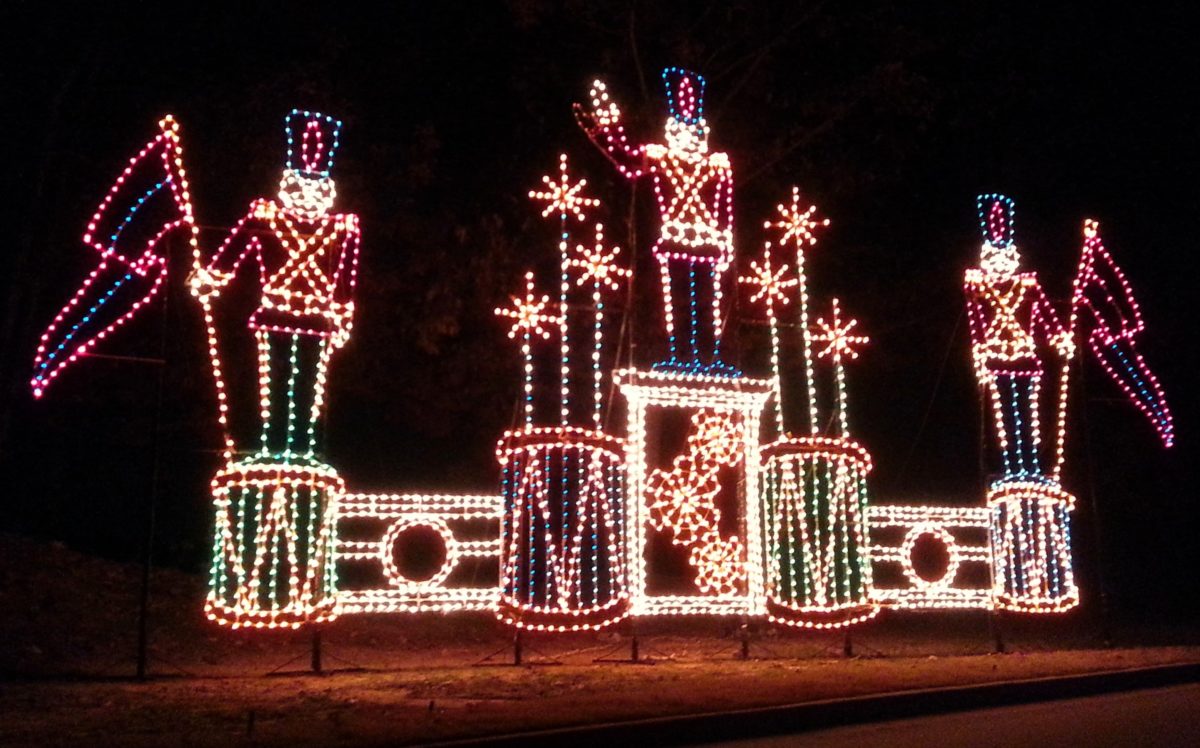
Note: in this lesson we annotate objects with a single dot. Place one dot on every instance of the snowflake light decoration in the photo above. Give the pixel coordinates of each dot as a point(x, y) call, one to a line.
point(683, 501)
point(772, 283)
point(772, 286)
point(563, 196)
point(798, 224)
point(528, 312)
point(598, 263)
point(836, 335)
point(834, 332)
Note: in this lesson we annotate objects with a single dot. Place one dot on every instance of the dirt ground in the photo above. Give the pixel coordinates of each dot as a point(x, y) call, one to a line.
point(432, 703)
point(69, 634)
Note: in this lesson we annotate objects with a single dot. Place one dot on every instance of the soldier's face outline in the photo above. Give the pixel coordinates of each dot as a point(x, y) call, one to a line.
point(308, 196)
point(688, 138)
point(999, 262)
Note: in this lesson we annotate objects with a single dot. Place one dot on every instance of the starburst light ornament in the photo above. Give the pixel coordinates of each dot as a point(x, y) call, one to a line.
point(564, 197)
point(528, 312)
point(598, 263)
point(772, 283)
point(798, 224)
point(834, 332)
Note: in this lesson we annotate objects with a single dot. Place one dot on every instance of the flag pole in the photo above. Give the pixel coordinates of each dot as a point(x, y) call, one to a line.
point(152, 500)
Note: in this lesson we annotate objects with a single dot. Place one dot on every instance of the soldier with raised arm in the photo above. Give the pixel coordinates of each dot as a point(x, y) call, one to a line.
point(693, 187)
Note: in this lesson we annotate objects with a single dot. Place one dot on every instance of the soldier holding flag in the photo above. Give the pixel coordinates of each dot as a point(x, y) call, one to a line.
point(1015, 337)
point(273, 561)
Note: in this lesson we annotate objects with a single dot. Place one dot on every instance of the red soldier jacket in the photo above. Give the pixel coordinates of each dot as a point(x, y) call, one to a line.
point(694, 191)
point(307, 269)
point(1010, 318)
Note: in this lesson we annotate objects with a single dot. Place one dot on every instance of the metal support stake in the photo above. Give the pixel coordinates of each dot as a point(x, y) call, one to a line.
point(152, 499)
point(993, 617)
point(316, 649)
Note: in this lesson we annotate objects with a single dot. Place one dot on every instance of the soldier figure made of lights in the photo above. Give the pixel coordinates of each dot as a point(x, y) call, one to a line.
point(1015, 337)
point(693, 187)
point(1014, 334)
point(272, 554)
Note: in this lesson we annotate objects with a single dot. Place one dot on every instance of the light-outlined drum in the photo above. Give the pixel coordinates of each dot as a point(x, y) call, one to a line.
point(1031, 547)
point(273, 545)
point(562, 534)
point(817, 557)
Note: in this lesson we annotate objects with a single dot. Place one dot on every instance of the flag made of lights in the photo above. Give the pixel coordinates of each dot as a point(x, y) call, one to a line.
point(147, 205)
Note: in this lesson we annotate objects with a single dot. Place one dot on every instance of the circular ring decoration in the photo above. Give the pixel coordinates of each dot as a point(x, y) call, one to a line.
point(396, 577)
point(953, 560)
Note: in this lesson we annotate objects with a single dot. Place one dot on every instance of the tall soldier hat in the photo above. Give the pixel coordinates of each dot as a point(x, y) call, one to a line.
point(312, 141)
point(996, 219)
point(685, 95)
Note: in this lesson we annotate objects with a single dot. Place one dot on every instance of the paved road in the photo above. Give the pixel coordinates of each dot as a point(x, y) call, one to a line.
point(1166, 717)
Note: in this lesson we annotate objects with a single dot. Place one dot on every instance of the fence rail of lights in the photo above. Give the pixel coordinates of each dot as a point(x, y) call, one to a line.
point(372, 529)
point(961, 533)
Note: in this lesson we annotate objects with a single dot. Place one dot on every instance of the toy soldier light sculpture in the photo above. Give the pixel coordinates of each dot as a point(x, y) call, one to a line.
point(1014, 333)
point(693, 513)
point(1013, 329)
point(275, 496)
point(693, 187)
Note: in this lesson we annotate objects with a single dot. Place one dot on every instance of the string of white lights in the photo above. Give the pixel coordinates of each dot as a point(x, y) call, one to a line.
point(450, 517)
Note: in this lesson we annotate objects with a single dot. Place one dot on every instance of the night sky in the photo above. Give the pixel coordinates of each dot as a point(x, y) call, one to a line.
point(890, 120)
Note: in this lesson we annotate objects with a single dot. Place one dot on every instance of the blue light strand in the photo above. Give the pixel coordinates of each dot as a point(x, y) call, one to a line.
point(693, 322)
point(79, 325)
point(1005, 453)
point(1018, 427)
point(1148, 396)
point(112, 240)
point(505, 479)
